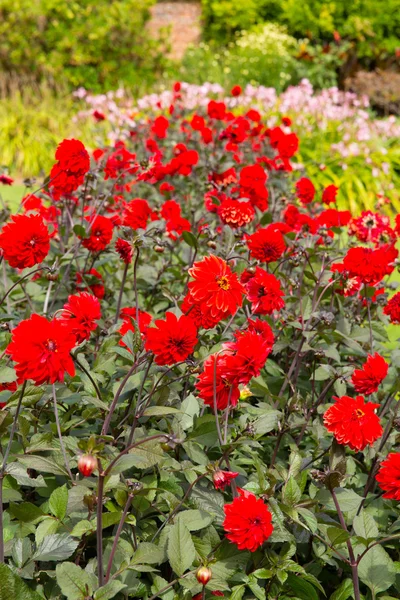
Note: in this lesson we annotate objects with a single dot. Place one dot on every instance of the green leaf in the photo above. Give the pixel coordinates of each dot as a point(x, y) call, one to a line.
point(181, 551)
point(344, 591)
point(266, 422)
point(337, 535)
point(140, 458)
point(58, 502)
point(57, 546)
point(376, 569)
point(13, 588)
point(110, 590)
point(291, 492)
point(158, 584)
point(21, 476)
point(309, 518)
point(365, 526)
point(302, 589)
point(75, 583)
point(148, 553)
point(46, 527)
point(160, 411)
point(238, 592)
point(7, 375)
point(26, 512)
point(42, 464)
point(190, 239)
point(195, 519)
point(210, 501)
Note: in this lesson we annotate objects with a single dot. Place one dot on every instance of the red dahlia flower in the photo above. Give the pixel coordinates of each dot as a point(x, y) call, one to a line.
point(128, 315)
point(248, 522)
point(353, 422)
point(388, 476)
point(215, 285)
point(41, 350)
point(70, 170)
point(236, 90)
point(305, 190)
point(137, 214)
point(264, 292)
point(223, 478)
point(368, 379)
point(172, 340)
point(81, 313)
point(329, 194)
point(246, 356)
point(235, 213)
point(25, 241)
point(266, 245)
point(392, 308)
point(202, 315)
point(216, 378)
point(367, 264)
point(100, 234)
point(372, 227)
point(160, 126)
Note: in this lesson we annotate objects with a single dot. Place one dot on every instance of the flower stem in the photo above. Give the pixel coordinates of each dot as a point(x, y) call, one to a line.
point(117, 535)
point(60, 435)
point(121, 291)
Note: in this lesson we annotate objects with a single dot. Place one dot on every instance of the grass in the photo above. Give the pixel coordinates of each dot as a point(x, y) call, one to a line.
point(12, 195)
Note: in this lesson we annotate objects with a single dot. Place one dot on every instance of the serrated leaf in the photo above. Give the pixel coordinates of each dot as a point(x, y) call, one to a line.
point(58, 546)
point(344, 591)
point(148, 553)
point(238, 592)
point(266, 422)
point(13, 587)
point(21, 476)
point(160, 411)
point(302, 588)
point(58, 502)
point(139, 458)
point(365, 526)
point(75, 583)
point(291, 493)
point(110, 590)
point(337, 535)
point(45, 528)
point(26, 512)
point(7, 375)
point(195, 519)
point(42, 464)
point(377, 570)
point(210, 501)
point(180, 550)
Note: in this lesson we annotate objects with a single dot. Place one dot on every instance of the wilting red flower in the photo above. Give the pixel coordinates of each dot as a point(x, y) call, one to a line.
point(248, 522)
point(100, 234)
point(214, 376)
point(41, 350)
point(125, 250)
point(388, 476)
point(329, 194)
point(266, 245)
point(367, 264)
point(130, 318)
point(305, 190)
point(25, 241)
point(223, 478)
point(81, 313)
point(6, 180)
point(172, 340)
point(264, 292)
point(235, 213)
point(215, 285)
point(353, 422)
point(137, 214)
point(94, 282)
point(236, 90)
point(368, 379)
point(392, 308)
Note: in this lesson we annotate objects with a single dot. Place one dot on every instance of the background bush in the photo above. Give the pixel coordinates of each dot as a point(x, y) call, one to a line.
point(96, 44)
point(373, 24)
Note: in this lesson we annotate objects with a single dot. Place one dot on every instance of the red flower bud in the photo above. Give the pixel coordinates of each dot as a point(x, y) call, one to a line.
point(222, 478)
point(87, 463)
point(203, 575)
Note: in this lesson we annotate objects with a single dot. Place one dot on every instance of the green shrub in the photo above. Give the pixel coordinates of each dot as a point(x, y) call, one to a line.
point(95, 44)
point(373, 24)
point(261, 56)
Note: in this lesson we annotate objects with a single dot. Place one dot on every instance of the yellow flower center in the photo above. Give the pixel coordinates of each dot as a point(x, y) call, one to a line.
point(223, 283)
